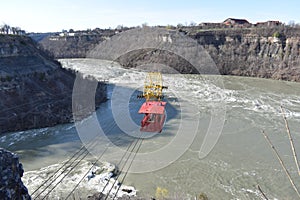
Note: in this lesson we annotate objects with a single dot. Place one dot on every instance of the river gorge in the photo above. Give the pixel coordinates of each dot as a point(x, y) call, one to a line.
point(239, 161)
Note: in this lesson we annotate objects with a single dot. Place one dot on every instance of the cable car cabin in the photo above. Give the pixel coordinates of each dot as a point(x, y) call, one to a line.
point(153, 108)
point(154, 118)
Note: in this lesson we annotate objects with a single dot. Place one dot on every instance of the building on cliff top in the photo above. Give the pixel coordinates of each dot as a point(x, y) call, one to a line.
point(268, 24)
point(236, 22)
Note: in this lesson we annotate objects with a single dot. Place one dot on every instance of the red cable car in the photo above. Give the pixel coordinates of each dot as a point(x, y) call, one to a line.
point(153, 108)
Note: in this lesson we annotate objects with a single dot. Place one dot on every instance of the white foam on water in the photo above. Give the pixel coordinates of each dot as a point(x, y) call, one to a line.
point(11, 139)
point(94, 182)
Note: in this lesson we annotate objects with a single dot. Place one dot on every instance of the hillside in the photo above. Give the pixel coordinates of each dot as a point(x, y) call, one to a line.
point(35, 90)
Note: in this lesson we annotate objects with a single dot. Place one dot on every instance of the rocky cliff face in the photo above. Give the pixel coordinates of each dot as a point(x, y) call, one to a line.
point(11, 171)
point(260, 52)
point(254, 53)
point(35, 90)
point(142, 58)
point(72, 46)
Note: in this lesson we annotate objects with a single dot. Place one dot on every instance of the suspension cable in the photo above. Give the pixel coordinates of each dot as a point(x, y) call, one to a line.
point(62, 173)
point(129, 146)
point(126, 161)
point(91, 143)
point(87, 172)
point(123, 179)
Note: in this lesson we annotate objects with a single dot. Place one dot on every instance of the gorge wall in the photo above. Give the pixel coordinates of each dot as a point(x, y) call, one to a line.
point(268, 52)
point(75, 46)
point(35, 90)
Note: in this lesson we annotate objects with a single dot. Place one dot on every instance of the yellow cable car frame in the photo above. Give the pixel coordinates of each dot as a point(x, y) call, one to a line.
point(153, 86)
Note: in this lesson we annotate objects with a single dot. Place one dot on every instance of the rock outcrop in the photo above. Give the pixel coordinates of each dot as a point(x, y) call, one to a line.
point(35, 90)
point(144, 57)
point(11, 171)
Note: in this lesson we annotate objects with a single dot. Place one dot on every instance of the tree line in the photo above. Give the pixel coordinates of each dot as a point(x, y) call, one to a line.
point(7, 29)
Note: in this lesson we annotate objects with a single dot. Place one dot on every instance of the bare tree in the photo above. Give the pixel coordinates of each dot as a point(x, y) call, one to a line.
point(180, 25)
point(193, 23)
point(145, 24)
point(1, 29)
point(13, 30)
point(292, 23)
point(119, 27)
point(6, 28)
point(18, 30)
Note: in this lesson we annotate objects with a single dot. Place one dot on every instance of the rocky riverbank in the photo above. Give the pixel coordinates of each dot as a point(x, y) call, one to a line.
point(11, 172)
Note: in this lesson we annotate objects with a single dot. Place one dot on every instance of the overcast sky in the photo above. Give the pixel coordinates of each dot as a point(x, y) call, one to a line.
point(55, 15)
